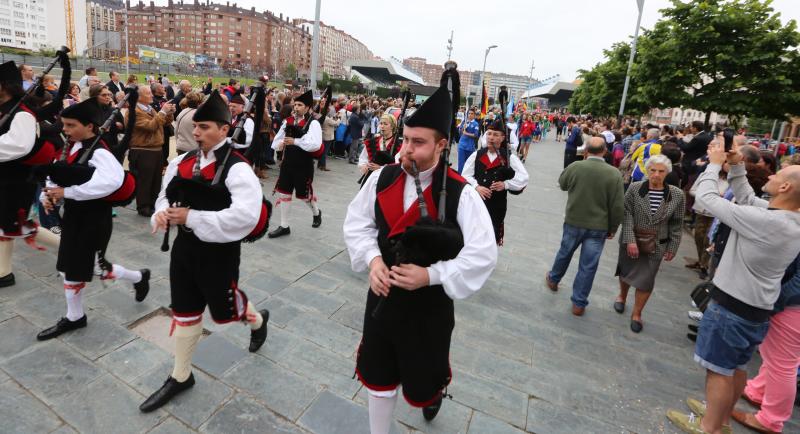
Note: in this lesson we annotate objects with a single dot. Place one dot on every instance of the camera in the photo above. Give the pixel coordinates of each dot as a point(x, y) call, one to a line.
point(728, 134)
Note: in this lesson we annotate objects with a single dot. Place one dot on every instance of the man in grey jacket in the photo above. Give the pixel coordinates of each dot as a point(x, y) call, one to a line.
point(764, 240)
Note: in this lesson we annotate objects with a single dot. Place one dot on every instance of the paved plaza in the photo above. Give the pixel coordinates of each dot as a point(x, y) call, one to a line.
point(521, 362)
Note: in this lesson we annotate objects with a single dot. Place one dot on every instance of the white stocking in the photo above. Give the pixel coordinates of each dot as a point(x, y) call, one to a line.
point(312, 203)
point(284, 201)
point(6, 248)
point(120, 272)
point(381, 411)
point(254, 318)
point(186, 337)
point(46, 237)
point(72, 291)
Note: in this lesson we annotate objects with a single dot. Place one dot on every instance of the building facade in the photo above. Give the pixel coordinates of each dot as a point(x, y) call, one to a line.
point(430, 73)
point(57, 24)
point(23, 24)
point(335, 47)
point(227, 35)
point(678, 116)
point(104, 16)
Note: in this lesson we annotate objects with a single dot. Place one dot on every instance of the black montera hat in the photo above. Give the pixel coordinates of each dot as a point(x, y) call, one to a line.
point(307, 98)
point(436, 113)
point(9, 72)
point(213, 109)
point(237, 99)
point(86, 112)
point(497, 125)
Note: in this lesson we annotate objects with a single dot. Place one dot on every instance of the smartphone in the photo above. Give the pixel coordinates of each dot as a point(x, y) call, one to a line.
point(727, 134)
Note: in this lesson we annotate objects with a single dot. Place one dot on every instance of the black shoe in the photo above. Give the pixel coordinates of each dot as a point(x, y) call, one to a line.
point(692, 336)
point(258, 337)
point(636, 326)
point(317, 220)
point(693, 328)
point(432, 410)
point(279, 232)
point(619, 306)
point(7, 280)
point(142, 287)
point(162, 396)
point(703, 273)
point(62, 326)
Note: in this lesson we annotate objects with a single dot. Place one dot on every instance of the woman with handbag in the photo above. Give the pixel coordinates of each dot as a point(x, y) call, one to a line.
point(651, 230)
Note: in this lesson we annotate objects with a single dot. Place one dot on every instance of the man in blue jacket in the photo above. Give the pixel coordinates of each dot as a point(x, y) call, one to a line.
point(574, 141)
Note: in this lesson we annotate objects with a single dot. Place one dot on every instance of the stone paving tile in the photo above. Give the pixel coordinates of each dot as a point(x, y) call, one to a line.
point(98, 338)
point(323, 367)
point(43, 308)
point(488, 396)
point(171, 426)
point(545, 417)
point(482, 423)
point(331, 414)
point(64, 429)
point(118, 304)
point(16, 336)
point(134, 359)
point(281, 390)
point(312, 299)
point(29, 415)
point(326, 333)
point(215, 354)
point(100, 406)
point(243, 414)
point(453, 417)
point(51, 371)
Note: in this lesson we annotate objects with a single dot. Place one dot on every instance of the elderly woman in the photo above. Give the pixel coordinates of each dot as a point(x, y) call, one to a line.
point(184, 140)
point(651, 230)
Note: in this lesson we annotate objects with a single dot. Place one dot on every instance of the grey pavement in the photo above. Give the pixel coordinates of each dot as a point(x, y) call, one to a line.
point(521, 362)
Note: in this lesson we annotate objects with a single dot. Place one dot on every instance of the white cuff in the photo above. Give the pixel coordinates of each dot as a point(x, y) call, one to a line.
point(433, 277)
point(191, 219)
point(69, 192)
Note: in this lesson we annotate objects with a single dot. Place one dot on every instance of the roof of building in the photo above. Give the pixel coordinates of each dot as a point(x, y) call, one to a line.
point(559, 89)
point(383, 72)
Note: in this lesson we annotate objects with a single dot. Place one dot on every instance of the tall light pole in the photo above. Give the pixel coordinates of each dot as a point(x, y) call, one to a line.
point(315, 47)
point(640, 3)
point(450, 45)
point(127, 48)
point(483, 72)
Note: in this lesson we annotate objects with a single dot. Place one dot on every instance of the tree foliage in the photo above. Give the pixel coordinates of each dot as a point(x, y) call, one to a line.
point(290, 72)
point(733, 57)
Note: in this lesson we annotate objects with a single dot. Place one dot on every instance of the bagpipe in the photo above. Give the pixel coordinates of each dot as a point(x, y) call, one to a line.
point(296, 131)
point(383, 158)
point(430, 240)
point(199, 194)
point(505, 172)
point(45, 147)
point(66, 174)
point(258, 102)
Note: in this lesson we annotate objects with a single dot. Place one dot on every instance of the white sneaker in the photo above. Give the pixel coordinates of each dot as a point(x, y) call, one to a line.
point(695, 315)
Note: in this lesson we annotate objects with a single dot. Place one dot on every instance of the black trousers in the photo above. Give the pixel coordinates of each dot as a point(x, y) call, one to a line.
point(570, 156)
point(145, 165)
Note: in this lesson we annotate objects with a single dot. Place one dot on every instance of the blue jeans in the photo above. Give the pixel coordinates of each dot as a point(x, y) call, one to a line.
point(726, 341)
point(463, 154)
point(591, 242)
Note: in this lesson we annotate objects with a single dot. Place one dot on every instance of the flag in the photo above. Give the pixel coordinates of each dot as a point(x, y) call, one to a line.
point(484, 101)
point(510, 107)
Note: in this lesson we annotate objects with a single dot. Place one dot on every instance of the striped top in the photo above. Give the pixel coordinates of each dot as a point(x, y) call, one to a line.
point(656, 197)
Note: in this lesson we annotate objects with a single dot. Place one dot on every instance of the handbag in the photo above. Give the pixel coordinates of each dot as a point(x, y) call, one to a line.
point(645, 240)
point(701, 295)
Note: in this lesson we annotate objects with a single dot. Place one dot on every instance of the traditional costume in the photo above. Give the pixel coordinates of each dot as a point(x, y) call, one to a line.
point(297, 167)
point(408, 342)
point(204, 263)
point(87, 224)
point(486, 166)
point(379, 149)
point(245, 137)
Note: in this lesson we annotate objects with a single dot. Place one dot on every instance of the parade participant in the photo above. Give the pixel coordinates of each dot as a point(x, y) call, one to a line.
point(470, 130)
point(204, 263)
point(487, 171)
point(300, 139)
point(86, 226)
point(408, 343)
point(245, 138)
point(381, 142)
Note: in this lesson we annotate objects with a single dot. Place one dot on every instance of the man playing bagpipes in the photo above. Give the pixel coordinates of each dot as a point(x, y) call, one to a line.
point(214, 199)
point(495, 171)
point(417, 266)
point(245, 138)
point(89, 181)
point(300, 139)
point(22, 147)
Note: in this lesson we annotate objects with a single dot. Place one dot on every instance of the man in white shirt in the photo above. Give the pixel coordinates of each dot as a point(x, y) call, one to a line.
point(204, 263)
point(245, 138)
point(409, 317)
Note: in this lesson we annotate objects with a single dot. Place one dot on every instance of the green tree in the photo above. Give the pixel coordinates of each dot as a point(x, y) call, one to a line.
point(290, 72)
point(727, 56)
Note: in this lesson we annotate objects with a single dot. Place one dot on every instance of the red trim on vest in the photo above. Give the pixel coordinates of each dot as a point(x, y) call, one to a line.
point(487, 164)
point(391, 202)
point(186, 167)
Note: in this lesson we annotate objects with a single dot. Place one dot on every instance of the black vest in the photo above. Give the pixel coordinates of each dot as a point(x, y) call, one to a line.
point(486, 173)
point(295, 156)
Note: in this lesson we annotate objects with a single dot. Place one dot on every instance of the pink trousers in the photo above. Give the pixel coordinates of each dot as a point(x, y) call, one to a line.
point(775, 385)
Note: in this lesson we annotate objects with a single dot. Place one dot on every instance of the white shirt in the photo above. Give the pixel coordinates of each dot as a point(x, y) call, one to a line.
point(18, 141)
point(107, 177)
point(310, 142)
point(517, 183)
point(248, 127)
point(227, 225)
point(461, 276)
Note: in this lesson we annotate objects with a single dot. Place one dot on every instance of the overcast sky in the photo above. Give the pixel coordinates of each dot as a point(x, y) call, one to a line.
point(560, 36)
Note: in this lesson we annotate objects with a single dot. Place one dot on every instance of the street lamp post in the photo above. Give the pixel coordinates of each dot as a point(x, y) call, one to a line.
point(315, 48)
point(483, 72)
point(640, 3)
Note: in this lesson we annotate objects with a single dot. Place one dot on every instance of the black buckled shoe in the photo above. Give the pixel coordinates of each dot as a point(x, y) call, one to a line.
point(259, 336)
point(142, 287)
point(317, 220)
point(7, 280)
point(432, 410)
point(62, 326)
point(169, 390)
point(279, 232)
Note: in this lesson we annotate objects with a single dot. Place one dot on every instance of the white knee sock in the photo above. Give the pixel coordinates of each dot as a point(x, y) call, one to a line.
point(381, 412)
point(48, 238)
point(72, 291)
point(6, 248)
point(284, 201)
point(254, 318)
point(186, 338)
point(123, 273)
point(312, 203)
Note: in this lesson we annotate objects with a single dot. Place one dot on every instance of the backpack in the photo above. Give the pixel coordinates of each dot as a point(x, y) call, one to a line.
point(579, 139)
